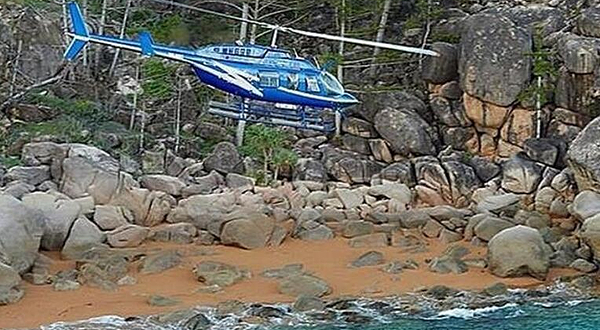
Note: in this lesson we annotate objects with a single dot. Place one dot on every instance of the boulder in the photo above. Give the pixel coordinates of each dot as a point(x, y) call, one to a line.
point(251, 232)
point(349, 198)
point(239, 182)
point(373, 102)
point(318, 233)
point(109, 217)
point(220, 274)
point(349, 167)
point(519, 127)
point(397, 191)
point(407, 133)
point(201, 210)
point(519, 251)
point(590, 232)
point(58, 214)
point(180, 233)
point(380, 150)
point(359, 127)
point(443, 68)
point(304, 285)
point(9, 280)
point(203, 185)
point(127, 236)
point(357, 228)
point(33, 175)
point(401, 172)
point(588, 22)
point(308, 303)
point(310, 170)
point(168, 184)
point(224, 158)
point(369, 241)
point(159, 262)
point(542, 150)
point(356, 144)
point(21, 230)
point(486, 116)
point(498, 203)
point(484, 168)
point(494, 74)
point(586, 205)
point(489, 226)
point(520, 175)
point(450, 261)
point(84, 235)
point(371, 258)
point(583, 157)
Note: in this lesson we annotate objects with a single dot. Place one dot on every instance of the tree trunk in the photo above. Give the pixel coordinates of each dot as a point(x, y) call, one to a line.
point(255, 14)
point(121, 35)
point(100, 31)
point(244, 26)
point(380, 34)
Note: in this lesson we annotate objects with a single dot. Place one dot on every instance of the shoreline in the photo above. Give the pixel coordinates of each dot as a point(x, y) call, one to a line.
point(328, 260)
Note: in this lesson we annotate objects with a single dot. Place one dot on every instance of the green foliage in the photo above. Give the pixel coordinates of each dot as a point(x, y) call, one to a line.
point(334, 58)
point(424, 11)
point(9, 161)
point(544, 71)
point(167, 29)
point(270, 147)
point(445, 37)
point(158, 79)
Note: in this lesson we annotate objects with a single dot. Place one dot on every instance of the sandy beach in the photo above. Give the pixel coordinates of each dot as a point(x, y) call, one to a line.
point(328, 260)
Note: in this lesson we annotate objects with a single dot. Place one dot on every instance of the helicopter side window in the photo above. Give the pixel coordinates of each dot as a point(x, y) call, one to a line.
point(269, 79)
point(312, 84)
point(237, 51)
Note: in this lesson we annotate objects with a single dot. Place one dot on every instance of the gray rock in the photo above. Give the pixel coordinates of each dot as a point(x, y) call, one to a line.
point(310, 170)
point(369, 241)
point(349, 167)
point(407, 133)
point(590, 232)
point(201, 210)
point(162, 301)
point(448, 236)
point(153, 162)
point(308, 303)
point(497, 289)
point(520, 175)
point(498, 203)
point(583, 266)
point(356, 144)
point(109, 217)
point(586, 205)
point(180, 233)
point(542, 150)
point(197, 322)
point(358, 127)
point(224, 158)
point(9, 280)
point(402, 172)
point(304, 285)
point(397, 191)
point(21, 230)
point(217, 273)
point(357, 228)
point(127, 236)
point(33, 175)
point(84, 236)
point(349, 198)
point(66, 285)
point(239, 182)
point(283, 272)
point(443, 68)
point(319, 233)
point(432, 229)
point(583, 157)
point(494, 74)
point(250, 232)
point(59, 215)
point(519, 251)
point(587, 22)
point(168, 184)
point(489, 226)
point(159, 262)
point(204, 185)
point(371, 258)
point(414, 218)
point(450, 261)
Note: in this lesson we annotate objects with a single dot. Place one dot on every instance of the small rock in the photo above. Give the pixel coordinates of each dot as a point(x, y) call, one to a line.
point(162, 301)
point(357, 228)
point(496, 289)
point(308, 303)
point(160, 262)
point(583, 266)
point(217, 273)
point(66, 285)
point(369, 241)
point(304, 285)
point(371, 258)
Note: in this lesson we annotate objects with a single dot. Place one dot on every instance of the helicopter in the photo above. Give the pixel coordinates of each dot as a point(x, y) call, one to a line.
point(270, 85)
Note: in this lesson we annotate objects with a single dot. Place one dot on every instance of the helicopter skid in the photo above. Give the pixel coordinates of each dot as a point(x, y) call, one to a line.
point(319, 119)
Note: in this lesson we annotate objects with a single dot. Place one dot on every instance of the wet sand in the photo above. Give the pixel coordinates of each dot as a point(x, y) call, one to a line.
point(328, 260)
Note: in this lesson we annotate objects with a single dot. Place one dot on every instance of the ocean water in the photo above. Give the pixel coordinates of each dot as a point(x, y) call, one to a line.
point(546, 315)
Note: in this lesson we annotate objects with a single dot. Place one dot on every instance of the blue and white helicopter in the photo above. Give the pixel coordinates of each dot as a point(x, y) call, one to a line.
point(272, 85)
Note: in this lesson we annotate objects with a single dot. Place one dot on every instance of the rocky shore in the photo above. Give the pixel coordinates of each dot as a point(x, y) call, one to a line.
point(450, 196)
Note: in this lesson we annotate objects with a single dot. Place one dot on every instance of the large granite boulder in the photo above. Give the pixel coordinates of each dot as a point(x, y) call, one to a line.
point(407, 132)
point(201, 210)
point(583, 157)
point(443, 68)
point(33, 175)
point(21, 230)
point(84, 236)
point(59, 215)
point(168, 184)
point(310, 170)
point(590, 232)
point(519, 251)
point(9, 281)
point(521, 175)
point(251, 230)
point(348, 166)
point(496, 74)
point(586, 205)
point(224, 158)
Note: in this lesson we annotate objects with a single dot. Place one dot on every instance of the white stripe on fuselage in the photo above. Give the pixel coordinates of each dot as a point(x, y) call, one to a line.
point(315, 97)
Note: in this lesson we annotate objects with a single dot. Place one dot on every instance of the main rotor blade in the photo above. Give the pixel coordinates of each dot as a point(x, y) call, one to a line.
point(305, 33)
point(361, 42)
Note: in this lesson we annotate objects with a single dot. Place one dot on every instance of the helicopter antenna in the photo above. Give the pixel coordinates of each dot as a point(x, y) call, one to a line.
point(278, 28)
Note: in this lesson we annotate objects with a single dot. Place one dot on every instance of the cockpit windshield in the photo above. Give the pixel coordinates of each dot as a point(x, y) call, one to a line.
point(333, 85)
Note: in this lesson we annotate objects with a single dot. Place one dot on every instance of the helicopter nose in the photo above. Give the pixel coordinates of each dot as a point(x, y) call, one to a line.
point(350, 99)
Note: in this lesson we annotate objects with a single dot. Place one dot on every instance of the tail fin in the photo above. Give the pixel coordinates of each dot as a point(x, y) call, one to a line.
point(80, 32)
